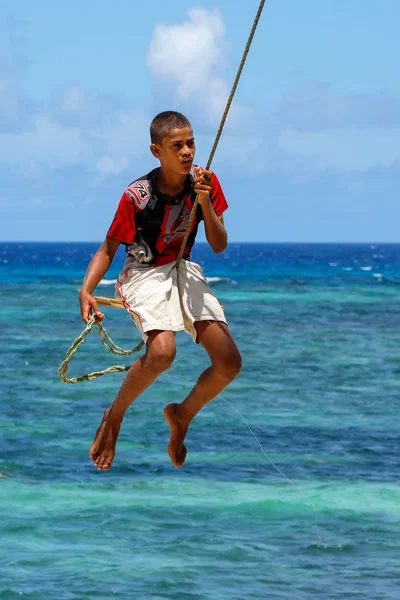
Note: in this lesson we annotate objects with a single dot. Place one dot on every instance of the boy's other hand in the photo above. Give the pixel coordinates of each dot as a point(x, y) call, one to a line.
point(89, 304)
point(203, 185)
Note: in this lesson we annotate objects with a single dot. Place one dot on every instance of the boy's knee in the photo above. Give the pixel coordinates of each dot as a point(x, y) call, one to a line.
point(160, 357)
point(228, 367)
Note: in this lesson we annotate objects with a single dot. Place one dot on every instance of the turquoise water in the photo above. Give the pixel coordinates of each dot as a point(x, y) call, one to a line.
point(319, 330)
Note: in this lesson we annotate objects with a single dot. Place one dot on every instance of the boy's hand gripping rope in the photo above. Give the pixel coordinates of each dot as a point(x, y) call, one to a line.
point(105, 338)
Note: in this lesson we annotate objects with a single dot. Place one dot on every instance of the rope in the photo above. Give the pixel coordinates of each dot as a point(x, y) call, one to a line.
point(105, 338)
point(107, 343)
point(221, 126)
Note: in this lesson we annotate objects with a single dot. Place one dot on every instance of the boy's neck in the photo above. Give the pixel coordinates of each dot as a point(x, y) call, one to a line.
point(170, 183)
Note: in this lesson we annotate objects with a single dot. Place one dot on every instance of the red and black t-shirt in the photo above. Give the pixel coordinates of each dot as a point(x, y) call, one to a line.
point(144, 211)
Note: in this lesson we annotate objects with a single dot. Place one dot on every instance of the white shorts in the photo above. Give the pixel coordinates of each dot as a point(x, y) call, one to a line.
point(162, 298)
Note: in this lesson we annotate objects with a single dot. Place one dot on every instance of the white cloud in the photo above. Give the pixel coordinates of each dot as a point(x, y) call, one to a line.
point(15, 108)
point(188, 58)
point(40, 202)
point(123, 140)
point(344, 150)
point(316, 106)
point(127, 133)
point(108, 166)
point(243, 152)
point(74, 101)
point(48, 145)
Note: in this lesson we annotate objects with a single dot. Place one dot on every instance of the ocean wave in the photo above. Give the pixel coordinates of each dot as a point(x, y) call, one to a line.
point(108, 282)
point(209, 279)
point(217, 279)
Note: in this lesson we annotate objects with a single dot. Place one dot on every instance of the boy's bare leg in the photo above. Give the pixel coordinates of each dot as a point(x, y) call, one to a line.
point(225, 365)
point(159, 356)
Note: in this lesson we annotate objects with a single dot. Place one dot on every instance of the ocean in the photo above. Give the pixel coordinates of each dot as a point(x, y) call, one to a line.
point(309, 508)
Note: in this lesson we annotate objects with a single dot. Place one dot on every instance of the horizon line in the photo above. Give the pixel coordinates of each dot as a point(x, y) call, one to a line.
point(204, 243)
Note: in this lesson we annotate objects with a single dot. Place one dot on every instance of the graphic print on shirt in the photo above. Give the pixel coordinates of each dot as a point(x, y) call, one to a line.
point(175, 224)
point(139, 193)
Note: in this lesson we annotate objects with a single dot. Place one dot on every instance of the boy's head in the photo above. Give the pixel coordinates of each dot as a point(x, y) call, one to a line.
point(172, 141)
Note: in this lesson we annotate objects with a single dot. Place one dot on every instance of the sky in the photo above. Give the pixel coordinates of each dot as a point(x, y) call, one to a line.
point(311, 147)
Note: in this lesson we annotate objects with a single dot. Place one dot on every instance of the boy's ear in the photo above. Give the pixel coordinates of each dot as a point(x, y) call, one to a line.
point(155, 150)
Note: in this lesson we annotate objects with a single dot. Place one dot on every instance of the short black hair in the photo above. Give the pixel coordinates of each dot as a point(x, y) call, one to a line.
point(162, 124)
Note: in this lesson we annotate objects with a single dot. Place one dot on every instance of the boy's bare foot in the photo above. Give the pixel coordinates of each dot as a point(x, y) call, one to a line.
point(102, 451)
point(176, 449)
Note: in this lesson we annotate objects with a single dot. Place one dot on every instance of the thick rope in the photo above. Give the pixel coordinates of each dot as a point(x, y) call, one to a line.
point(107, 343)
point(105, 338)
point(221, 126)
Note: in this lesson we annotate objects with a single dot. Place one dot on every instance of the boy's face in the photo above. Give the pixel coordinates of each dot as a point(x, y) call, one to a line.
point(176, 151)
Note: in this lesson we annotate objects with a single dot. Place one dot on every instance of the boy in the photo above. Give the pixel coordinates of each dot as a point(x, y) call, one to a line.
point(151, 221)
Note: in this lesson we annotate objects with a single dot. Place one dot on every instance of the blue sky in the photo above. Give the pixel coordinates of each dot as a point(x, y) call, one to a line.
point(311, 150)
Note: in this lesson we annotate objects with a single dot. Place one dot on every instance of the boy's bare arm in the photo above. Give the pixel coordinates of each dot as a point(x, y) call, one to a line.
point(96, 270)
point(216, 233)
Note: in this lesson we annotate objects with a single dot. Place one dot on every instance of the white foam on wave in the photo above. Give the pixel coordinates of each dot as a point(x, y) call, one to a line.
point(217, 279)
point(209, 279)
point(377, 275)
point(108, 282)
point(347, 268)
point(333, 264)
point(366, 268)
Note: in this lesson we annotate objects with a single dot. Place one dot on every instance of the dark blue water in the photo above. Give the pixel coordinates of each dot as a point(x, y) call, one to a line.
point(319, 331)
